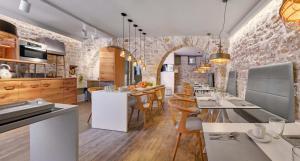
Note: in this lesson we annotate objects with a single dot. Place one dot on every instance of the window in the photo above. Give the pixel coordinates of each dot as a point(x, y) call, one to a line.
point(177, 60)
point(191, 60)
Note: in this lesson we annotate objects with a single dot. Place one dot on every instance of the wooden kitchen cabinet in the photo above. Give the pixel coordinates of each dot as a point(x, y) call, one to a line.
point(112, 66)
point(52, 90)
point(29, 90)
point(9, 92)
point(70, 91)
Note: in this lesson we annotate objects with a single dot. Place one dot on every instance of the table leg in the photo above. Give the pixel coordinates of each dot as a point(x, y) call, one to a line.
point(225, 117)
point(55, 139)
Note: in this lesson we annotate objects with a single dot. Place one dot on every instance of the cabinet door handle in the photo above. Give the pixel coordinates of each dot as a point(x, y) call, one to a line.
point(3, 96)
point(9, 88)
point(34, 85)
point(46, 85)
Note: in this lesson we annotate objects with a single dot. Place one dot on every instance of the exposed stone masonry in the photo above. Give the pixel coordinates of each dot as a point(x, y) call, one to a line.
point(264, 40)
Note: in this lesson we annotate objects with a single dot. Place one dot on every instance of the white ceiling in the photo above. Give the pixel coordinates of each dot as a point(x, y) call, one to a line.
point(156, 17)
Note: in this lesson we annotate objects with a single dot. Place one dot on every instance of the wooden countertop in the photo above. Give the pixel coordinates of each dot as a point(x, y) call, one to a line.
point(28, 79)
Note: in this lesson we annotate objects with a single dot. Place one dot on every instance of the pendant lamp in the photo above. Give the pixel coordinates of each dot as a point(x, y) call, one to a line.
point(221, 57)
point(135, 61)
point(144, 64)
point(139, 61)
point(290, 14)
point(129, 58)
point(123, 53)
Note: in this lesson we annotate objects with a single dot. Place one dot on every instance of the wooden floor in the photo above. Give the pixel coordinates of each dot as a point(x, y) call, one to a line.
point(152, 144)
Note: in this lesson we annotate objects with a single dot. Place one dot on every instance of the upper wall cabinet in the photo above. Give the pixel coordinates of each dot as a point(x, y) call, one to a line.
point(112, 66)
point(8, 40)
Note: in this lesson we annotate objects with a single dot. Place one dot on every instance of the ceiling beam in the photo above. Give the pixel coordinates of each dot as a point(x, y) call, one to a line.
point(77, 18)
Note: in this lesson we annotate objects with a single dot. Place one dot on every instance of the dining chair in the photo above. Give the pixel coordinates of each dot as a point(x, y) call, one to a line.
point(188, 89)
point(183, 95)
point(143, 106)
point(159, 98)
point(91, 90)
point(181, 110)
point(203, 114)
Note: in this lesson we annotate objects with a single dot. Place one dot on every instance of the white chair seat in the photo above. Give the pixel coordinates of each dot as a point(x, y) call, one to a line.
point(192, 124)
point(131, 101)
point(146, 105)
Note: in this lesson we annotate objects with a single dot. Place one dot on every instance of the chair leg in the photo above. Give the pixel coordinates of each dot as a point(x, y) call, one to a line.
point(176, 146)
point(89, 118)
point(161, 105)
point(138, 115)
point(145, 119)
point(200, 145)
point(131, 113)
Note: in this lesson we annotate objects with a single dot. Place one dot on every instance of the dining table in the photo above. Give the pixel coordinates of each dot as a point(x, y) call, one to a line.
point(222, 103)
point(244, 148)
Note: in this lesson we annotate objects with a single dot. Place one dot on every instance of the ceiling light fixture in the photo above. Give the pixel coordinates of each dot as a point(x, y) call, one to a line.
point(135, 61)
point(24, 6)
point(290, 14)
point(129, 58)
point(123, 53)
point(144, 64)
point(140, 62)
point(221, 57)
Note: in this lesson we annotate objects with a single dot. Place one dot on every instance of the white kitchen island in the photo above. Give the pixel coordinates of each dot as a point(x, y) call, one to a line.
point(109, 110)
point(53, 135)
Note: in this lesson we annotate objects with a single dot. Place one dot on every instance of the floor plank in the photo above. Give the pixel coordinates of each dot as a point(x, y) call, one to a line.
point(152, 144)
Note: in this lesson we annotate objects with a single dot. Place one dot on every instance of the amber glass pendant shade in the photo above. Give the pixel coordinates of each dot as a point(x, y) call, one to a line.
point(129, 58)
point(290, 14)
point(205, 66)
point(219, 58)
point(134, 63)
point(123, 54)
point(139, 61)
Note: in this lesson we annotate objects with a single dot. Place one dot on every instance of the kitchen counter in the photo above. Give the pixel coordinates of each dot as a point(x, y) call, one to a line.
point(62, 109)
point(56, 90)
point(53, 135)
point(32, 79)
point(110, 109)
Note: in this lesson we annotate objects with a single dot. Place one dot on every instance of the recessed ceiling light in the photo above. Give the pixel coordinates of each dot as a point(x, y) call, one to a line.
point(24, 6)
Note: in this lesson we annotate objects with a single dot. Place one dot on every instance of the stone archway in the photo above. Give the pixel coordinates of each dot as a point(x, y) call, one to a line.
point(163, 60)
point(158, 48)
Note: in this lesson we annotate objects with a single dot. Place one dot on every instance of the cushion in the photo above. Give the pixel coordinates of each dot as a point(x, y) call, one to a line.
point(193, 124)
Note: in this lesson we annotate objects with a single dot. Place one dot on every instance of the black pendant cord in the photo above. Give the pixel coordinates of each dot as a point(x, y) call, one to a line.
point(129, 24)
point(224, 20)
point(144, 47)
point(140, 44)
point(124, 15)
point(123, 33)
point(135, 26)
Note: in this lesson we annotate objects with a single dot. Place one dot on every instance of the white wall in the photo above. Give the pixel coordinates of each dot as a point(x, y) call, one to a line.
point(168, 78)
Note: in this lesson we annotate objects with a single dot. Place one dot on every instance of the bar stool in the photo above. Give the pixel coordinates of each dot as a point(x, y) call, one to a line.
point(144, 106)
point(91, 90)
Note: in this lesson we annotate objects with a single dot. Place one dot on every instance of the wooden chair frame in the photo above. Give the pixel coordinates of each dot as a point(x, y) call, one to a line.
point(185, 107)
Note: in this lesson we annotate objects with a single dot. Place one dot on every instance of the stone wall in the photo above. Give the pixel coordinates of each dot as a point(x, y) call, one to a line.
point(158, 48)
point(264, 40)
point(83, 54)
point(186, 74)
